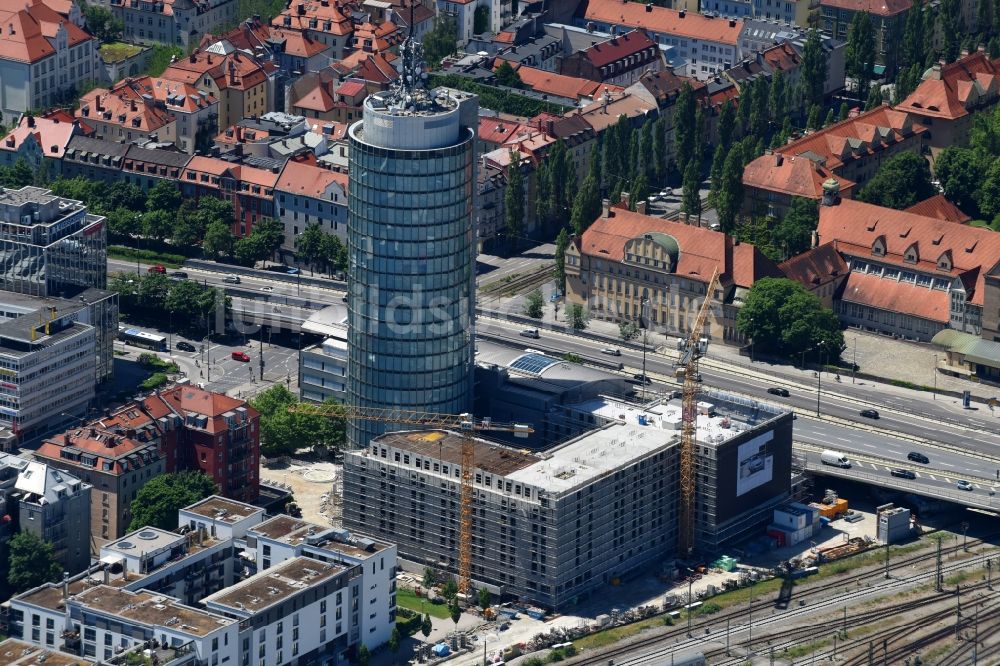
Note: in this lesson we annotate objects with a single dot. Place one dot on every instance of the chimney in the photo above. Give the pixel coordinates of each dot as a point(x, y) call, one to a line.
point(779, 159)
point(732, 23)
point(681, 14)
point(31, 120)
point(605, 208)
point(107, 574)
point(649, 7)
point(964, 53)
point(640, 207)
point(65, 585)
point(302, 9)
point(936, 70)
point(814, 239)
point(831, 192)
point(626, 199)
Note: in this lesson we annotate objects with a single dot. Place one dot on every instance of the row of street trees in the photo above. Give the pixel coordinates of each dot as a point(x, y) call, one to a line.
point(149, 295)
point(283, 431)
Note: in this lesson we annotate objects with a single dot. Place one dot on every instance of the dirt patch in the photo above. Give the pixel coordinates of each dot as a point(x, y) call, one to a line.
point(316, 486)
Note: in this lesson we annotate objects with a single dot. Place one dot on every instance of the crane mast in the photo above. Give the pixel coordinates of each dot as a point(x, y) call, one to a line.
point(692, 350)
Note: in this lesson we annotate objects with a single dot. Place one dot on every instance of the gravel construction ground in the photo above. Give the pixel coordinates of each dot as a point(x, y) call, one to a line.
point(316, 486)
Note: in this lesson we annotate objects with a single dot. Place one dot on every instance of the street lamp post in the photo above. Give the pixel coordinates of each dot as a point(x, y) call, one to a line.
point(642, 312)
point(819, 377)
point(935, 375)
point(854, 364)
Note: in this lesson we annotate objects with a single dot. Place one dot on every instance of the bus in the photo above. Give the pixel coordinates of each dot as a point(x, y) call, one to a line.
point(137, 338)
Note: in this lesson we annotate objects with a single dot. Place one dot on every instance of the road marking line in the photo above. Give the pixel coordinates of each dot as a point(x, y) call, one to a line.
point(944, 464)
point(932, 476)
point(917, 474)
point(948, 480)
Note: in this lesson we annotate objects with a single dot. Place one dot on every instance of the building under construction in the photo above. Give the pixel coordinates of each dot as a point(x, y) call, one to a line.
point(550, 526)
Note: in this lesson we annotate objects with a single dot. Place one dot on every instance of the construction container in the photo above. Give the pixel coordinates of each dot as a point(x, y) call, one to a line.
point(831, 511)
point(893, 524)
point(778, 536)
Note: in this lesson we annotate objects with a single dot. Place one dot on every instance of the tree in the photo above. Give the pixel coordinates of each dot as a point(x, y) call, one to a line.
point(691, 199)
point(727, 124)
point(949, 15)
point(640, 190)
point(364, 656)
point(158, 224)
point(309, 245)
point(513, 201)
point(430, 577)
point(577, 316)
point(562, 243)
point(449, 590)
point(586, 206)
point(158, 501)
point(507, 75)
point(729, 198)
point(124, 223)
point(484, 598)
point(875, 98)
point(283, 431)
point(440, 41)
point(628, 330)
point(164, 196)
point(814, 68)
point(260, 245)
point(989, 197)
point(533, 304)
point(715, 172)
point(188, 226)
point(455, 612)
point(334, 252)
point(842, 114)
point(17, 176)
point(781, 317)
point(860, 55)
point(902, 181)
point(118, 194)
point(190, 302)
point(777, 96)
point(219, 240)
point(911, 51)
point(831, 118)
point(426, 626)
point(31, 562)
point(793, 233)
point(812, 122)
point(393, 643)
point(102, 24)
point(961, 173)
point(481, 20)
point(660, 150)
point(684, 127)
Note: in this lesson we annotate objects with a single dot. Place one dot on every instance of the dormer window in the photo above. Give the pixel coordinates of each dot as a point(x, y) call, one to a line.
point(911, 255)
point(878, 247)
point(944, 261)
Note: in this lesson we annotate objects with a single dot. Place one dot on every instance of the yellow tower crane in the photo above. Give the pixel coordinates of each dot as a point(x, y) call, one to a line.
point(464, 423)
point(692, 350)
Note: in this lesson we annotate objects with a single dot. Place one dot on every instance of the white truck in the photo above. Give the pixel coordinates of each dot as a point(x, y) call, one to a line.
point(835, 458)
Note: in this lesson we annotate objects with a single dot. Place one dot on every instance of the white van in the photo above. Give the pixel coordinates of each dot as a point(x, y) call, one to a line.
point(835, 458)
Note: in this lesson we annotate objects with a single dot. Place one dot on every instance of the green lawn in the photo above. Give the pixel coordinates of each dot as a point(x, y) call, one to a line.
point(147, 256)
point(118, 51)
point(612, 636)
point(406, 598)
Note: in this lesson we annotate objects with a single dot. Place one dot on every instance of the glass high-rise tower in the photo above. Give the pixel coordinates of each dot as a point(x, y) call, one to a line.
point(411, 239)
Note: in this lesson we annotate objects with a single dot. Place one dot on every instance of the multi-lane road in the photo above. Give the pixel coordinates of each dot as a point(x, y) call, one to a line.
point(960, 444)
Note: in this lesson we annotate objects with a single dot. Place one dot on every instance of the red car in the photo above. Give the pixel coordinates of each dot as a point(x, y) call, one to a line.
point(241, 356)
point(156, 269)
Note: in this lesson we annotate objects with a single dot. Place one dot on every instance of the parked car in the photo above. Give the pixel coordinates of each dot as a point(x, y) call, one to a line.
point(179, 275)
point(241, 356)
point(777, 390)
point(962, 484)
point(611, 351)
point(185, 346)
point(918, 457)
point(231, 279)
point(292, 271)
point(903, 473)
point(869, 413)
point(156, 269)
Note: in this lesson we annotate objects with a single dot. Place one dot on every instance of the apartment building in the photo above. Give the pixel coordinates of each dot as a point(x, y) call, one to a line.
point(116, 466)
point(307, 194)
point(323, 371)
point(40, 141)
point(210, 433)
point(633, 267)
point(197, 597)
point(242, 84)
point(49, 245)
point(294, 51)
point(620, 60)
point(172, 22)
point(137, 108)
point(950, 96)
point(888, 17)
point(44, 59)
point(323, 21)
point(849, 153)
point(55, 506)
point(249, 189)
point(708, 44)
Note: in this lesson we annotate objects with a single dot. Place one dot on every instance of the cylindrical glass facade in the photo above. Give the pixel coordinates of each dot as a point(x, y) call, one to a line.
point(411, 280)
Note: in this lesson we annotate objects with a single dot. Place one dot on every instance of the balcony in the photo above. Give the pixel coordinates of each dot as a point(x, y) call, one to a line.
point(179, 656)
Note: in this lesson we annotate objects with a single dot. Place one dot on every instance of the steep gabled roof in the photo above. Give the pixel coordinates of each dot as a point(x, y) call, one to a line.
point(939, 208)
point(949, 91)
point(795, 175)
point(662, 20)
point(815, 267)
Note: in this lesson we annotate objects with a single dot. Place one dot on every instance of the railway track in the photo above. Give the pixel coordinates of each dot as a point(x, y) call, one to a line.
point(518, 284)
point(849, 588)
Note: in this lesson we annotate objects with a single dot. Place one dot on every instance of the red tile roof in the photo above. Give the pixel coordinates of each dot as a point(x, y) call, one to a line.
point(52, 135)
point(109, 447)
point(857, 136)
point(497, 130)
point(876, 7)
point(184, 400)
point(948, 91)
point(939, 208)
point(782, 57)
point(318, 99)
point(125, 106)
point(902, 297)
point(855, 226)
point(236, 70)
point(630, 105)
point(377, 68)
point(298, 15)
point(560, 85)
point(701, 250)
point(662, 20)
point(616, 48)
point(793, 175)
point(816, 267)
point(29, 28)
point(351, 88)
point(308, 179)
